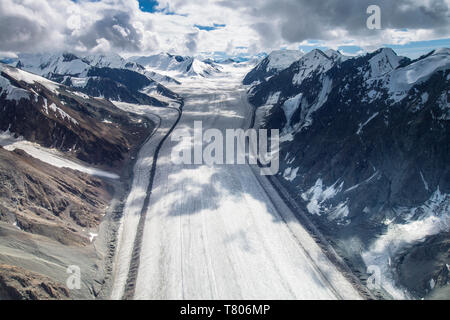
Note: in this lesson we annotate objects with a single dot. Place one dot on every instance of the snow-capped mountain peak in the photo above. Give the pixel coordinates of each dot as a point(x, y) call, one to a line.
point(47, 64)
point(177, 66)
point(402, 79)
point(110, 60)
point(161, 61)
point(282, 59)
point(314, 61)
point(333, 54)
point(441, 52)
point(275, 62)
point(384, 61)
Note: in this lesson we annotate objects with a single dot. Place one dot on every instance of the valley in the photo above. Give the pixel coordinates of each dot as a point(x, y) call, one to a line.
point(88, 177)
point(214, 232)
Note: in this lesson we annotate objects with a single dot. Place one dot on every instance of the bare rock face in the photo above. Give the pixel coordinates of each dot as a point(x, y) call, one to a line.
point(55, 116)
point(365, 148)
point(19, 284)
point(41, 199)
point(50, 216)
point(47, 220)
point(425, 268)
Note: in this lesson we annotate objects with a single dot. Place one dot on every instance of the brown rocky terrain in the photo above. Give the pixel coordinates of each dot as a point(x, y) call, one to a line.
point(55, 116)
point(46, 216)
point(57, 203)
point(49, 216)
point(19, 284)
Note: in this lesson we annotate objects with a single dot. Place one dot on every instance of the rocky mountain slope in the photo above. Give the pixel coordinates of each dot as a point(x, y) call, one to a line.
point(45, 112)
point(107, 76)
point(66, 63)
point(366, 151)
point(271, 65)
point(19, 284)
point(62, 153)
point(54, 202)
point(48, 220)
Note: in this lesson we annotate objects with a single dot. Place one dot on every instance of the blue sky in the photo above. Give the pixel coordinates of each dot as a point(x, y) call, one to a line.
point(148, 5)
point(418, 48)
point(215, 26)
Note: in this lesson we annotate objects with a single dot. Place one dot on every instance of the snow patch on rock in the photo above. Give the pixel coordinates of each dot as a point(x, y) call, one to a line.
point(273, 98)
point(290, 106)
point(30, 78)
point(282, 59)
point(62, 113)
point(50, 156)
point(12, 92)
point(362, 125)
point(429, 219)
point(290, 174)
point(317, 196)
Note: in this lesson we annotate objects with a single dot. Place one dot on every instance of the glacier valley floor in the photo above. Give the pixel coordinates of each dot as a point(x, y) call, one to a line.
point(218, 232)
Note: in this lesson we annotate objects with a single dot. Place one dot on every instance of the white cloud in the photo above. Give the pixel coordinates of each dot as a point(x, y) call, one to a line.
point(256, 25)
point(103, 45)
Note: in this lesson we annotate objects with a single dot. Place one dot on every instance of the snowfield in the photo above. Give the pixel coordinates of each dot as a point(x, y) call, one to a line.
point(164, 118)
point(219, 232)
point(282, 59)
point(50, 156)
point(30, 78)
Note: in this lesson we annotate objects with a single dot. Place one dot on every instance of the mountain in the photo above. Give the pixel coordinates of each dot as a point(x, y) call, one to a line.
point(177, 66)
point(49, 217)
point(18, 284)
point(64, 162)
point(272, 64)
point(225, 61)
point(114, 61)
point(46, 65)
point(118, 85)
point(70, 64)
point(110, 60)
point(365, 151)
point(107, 76)
point(56, 116)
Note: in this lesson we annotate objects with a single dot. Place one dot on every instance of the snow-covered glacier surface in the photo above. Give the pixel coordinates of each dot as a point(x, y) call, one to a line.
point(221, 232)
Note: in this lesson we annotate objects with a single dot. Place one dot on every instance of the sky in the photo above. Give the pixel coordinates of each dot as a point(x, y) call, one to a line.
point(220, 28)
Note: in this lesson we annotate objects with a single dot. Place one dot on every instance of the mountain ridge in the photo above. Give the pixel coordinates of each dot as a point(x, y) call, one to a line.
point(350, 132)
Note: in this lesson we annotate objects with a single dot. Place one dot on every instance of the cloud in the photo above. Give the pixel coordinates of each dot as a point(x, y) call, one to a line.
point(301, 20)
point(25, 24)
point(191, 42)
point(114, 27)
point(222, 26)
point(17, 33)
point(270, 34)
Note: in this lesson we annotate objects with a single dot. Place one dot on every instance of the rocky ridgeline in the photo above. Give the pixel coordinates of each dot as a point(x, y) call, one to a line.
point(365, 150)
